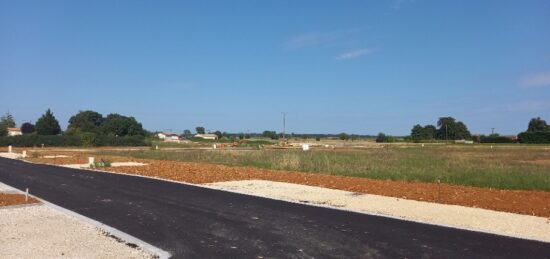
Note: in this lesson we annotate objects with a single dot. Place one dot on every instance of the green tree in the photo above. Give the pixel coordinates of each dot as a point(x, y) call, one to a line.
point(3, 130)
point(430, 131)
point(200, 130)
point(27, 128)
point(47, 124)
point(187, 133)
point(381, 138)
point(343, 136)
point(418, 133)
point(270, 134)
point(119, 125)
point(219, 134)
point(8, 120)
point(537, 124)
point(85, 121)
point(449, 128)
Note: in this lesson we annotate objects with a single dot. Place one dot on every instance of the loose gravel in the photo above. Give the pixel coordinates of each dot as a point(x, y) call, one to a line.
point(501, 223)
point(41, 232)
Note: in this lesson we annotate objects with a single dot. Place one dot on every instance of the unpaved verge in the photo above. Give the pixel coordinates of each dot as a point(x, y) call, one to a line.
point(42, 232)
point(9, 199)
point(501, 223)
point(10, 196)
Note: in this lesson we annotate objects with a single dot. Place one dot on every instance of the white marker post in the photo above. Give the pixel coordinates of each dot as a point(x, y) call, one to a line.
point(27, 195)
point(91, 161)
point(9, 149)
point(24, 153)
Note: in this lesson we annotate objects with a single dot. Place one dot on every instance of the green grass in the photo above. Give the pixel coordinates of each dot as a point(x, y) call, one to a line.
point(503, 167)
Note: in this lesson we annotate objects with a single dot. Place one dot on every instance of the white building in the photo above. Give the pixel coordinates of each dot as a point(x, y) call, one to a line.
point(166, 136)
point(14, 131)
point(207, 136)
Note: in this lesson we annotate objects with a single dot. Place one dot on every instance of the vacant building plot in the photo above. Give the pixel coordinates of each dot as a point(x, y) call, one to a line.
point(528, 202)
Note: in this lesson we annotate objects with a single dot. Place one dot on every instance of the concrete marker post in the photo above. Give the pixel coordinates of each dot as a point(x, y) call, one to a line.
point(91, 161)
point(27, 195)
point(24, 154)
point(9, 149)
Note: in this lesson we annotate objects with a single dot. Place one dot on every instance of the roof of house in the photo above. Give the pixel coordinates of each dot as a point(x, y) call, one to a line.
point(14, 129)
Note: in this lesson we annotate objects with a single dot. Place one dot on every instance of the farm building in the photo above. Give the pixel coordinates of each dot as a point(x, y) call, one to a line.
point(207, 136)
point(14, 131)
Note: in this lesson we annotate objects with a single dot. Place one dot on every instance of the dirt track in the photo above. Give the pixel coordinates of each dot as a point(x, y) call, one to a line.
point(523, 202)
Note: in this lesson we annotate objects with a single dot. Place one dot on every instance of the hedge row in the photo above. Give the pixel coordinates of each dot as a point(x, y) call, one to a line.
point(495, 139)
point(537, 137)
point(71, 141)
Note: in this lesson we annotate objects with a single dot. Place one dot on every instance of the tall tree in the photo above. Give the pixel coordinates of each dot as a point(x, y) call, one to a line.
point(418, 133)
point(3, 130)
point(47, 124)
point(430, 131)
point(537, 124)
point(186, 133)
point(119, 125)
point(200, 130)
point(85, 121)
point(27, 128)
point(8, 120)
point(449, 128)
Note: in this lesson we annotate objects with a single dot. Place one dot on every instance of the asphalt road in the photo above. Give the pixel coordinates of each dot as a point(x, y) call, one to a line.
point(195, 222)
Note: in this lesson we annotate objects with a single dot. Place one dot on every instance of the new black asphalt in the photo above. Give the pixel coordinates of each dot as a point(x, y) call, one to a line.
point(194, 222)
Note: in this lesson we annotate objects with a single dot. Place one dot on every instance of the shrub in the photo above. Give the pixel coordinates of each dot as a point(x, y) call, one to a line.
point(494, 139)
point(538, 137)
point(72, 140)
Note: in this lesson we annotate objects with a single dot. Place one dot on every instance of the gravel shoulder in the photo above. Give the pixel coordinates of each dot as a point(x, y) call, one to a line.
point(42, 232)
point(476, 219)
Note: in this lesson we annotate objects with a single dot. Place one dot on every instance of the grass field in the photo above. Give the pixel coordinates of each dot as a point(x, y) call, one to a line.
point(503, 167)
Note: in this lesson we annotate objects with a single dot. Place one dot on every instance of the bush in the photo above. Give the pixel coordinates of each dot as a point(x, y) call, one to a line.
point(38, 140)
point(383, 138)
point(72, 140)
point(494, 139)
point(538, 137)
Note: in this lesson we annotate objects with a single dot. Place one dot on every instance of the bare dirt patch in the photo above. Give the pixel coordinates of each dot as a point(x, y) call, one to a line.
point(8, 199)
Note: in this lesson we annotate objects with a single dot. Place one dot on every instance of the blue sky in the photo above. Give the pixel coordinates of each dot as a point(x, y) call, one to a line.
point(335, 66)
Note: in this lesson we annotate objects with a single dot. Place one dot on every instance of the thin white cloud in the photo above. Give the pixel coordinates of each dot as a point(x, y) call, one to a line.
point(354, 54)
point(536, 80)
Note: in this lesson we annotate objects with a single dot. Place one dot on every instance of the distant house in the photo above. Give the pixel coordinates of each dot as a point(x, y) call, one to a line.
point(166, 136)
point(14, 131)
point(207, 136)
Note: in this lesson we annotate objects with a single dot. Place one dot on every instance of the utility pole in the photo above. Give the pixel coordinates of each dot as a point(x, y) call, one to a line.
point(492, 131)
point(284, 124)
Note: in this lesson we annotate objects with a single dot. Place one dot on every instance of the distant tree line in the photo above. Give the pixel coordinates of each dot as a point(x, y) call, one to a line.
point(448, 128)
point(86, 128)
